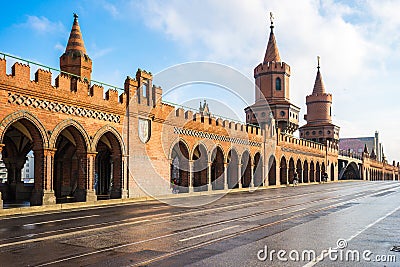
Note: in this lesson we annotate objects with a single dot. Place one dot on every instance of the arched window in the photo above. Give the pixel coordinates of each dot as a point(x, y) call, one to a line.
point(278, 84)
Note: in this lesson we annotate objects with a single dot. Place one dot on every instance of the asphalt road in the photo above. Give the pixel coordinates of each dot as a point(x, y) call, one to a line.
point(358, 221)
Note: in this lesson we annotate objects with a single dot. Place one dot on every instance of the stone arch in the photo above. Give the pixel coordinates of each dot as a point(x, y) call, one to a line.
point(246, 162)
point(23, 137)
point(103, 130)
point(200, 167)
point(272, 170)
point(108, 175)
point(22, 114)
point(291, 170)
point(217, 158)
point(283, 171)
point(233, 165)
point(299, 170)
point(71, 180)
point(180, 169)
point(65, 124)
point(317, 172)
point(332, 172)
point(312, 172)
point(306, 178)
point(258, 170)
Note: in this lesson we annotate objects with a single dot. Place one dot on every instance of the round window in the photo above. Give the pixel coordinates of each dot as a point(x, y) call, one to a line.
point(313, 132)
point(282, 113)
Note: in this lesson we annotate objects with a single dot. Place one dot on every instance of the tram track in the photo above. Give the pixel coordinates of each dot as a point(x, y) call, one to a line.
point(330, 205)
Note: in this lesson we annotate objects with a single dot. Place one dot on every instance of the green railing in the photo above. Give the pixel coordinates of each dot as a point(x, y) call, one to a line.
point(60, 71)
point(112, 86)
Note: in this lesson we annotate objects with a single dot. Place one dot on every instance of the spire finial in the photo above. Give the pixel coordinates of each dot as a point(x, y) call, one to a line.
point(318, 58)
point(271, 18)
point(75, 16)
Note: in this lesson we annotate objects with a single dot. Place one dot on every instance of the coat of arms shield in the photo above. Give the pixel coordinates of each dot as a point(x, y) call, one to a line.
point(144, 130)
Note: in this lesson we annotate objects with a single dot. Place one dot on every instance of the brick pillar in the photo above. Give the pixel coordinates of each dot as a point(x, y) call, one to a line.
point(82, 170)
point(252, 176)
point(90, 192)
point(48, 170)
point(124, 193)
point(263, 174)
point(40, 162)
point(209, 187)
point(191, 176)
point(225, 176)
point(1, 158)
point(240, 175)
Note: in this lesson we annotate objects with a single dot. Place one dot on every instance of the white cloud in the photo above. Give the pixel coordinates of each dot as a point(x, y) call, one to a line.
point(59, 47)
point(43, 25)
point(112, 9)
point(358, 44)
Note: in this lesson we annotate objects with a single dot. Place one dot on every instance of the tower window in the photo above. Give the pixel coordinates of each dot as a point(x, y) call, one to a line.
point(278, 84)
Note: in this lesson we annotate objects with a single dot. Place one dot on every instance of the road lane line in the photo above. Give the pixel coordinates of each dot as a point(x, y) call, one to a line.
point(202, 244)
point(61, 220)
point(23, 242)
point(345, 187)
point(324, 255)
point(209, 233)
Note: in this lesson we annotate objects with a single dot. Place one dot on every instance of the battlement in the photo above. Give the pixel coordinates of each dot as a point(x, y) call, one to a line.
point(300, 143)
point(204, 122)
point(319, 98)
point(271, 67)
point(68, 88)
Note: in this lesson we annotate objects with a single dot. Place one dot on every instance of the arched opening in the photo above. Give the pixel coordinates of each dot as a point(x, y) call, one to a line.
point(299, 171)
point(312, 172)
point(351, 172)
point(323, 169)
point(180, 168)
point(291, 171)
point(283, 171)
point(108, 168)
point(317, 172)
point(332, 172)
point(200, 166)
point(272, 171)
point(70, 169)
point(246, 169)
point(258, 177)
point(305, 172)
point(233, 163)
point(22, 157)
point(217, 169)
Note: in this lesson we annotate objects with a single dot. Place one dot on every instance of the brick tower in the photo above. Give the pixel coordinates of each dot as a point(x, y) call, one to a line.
point(272, 85)
point(75, 60)
point(319, 127)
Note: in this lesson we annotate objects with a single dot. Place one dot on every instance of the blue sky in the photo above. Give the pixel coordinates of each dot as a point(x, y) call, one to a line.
point(358, 41)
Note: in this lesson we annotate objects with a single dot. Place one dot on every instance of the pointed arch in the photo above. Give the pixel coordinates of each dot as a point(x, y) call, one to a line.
point(291, 170)
point(258, 170)
point(299, 170)
point(305, 172)
point(103, 130)
point(23, 114)
point(200, 167)
point(65, 124)
point(233, 171)
point(246, 168)
point(272, 170)
point(283, 171)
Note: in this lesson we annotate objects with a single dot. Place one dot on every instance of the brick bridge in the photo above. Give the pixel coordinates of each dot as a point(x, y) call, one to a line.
point(127, 142)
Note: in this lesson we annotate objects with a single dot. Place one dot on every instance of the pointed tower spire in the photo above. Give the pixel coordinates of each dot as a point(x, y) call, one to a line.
point(75, 41)
point(366, 149)
point(319, 87)
point(75, 60)
point(272, 53)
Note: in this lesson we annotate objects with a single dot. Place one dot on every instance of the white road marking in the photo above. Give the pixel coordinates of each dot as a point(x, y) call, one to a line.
point(61, 220)
point(209, 233)
point(324, 255)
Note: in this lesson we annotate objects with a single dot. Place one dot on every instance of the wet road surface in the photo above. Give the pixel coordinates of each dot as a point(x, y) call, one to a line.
point(274, 227)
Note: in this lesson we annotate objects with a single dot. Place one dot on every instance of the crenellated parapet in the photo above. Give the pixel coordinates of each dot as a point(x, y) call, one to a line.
point(271, 67)
point(67, 90)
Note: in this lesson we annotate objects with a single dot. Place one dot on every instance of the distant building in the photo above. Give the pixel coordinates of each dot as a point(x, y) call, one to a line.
point(3, 171)
point(357, 145)
point(28, 171)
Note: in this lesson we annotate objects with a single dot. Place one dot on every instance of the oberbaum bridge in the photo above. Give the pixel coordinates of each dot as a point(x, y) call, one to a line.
point(89, 145)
